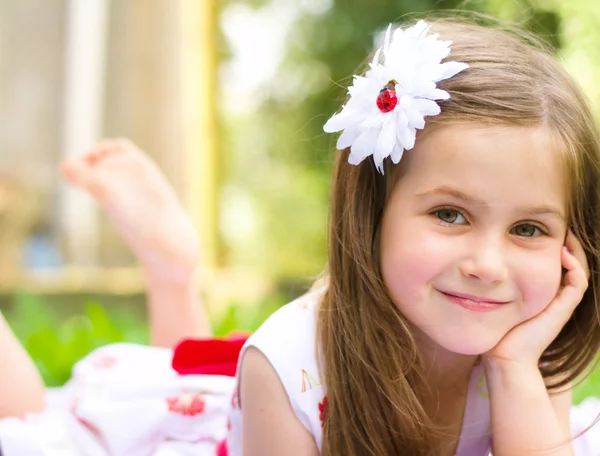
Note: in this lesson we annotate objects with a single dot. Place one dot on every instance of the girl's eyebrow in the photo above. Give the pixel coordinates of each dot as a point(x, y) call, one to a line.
point(451, 191)
point(456, 193)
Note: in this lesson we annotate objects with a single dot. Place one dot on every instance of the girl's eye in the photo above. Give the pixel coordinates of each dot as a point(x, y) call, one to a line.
point(451, 216)
point(526, 230)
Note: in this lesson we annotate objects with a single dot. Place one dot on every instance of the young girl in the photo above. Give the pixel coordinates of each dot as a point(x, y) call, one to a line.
point(455, 311)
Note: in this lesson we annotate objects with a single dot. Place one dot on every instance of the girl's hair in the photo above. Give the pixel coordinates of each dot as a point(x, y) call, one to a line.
point(370, 363)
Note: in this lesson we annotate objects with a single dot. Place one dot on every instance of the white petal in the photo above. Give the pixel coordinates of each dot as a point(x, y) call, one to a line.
point(386, 140)
point(450, 69)
point(419, 30)
point(430, 71)
point(365, 98)
point(378, 77)
point(426, 107)
point(434, 49)
point(421, 86)
point(396, 154)
point(397, 37)
point(339, 121)
point(435, 94)
point(401, 120)
point(386, 39)
point(358, 83)
point(378, 164)
point(376, 119)
point(359, 104)
point(363, 146)
point(415, 119)
point(347, 137)
point(405, 102)
point(376, 57)
point(408, 138)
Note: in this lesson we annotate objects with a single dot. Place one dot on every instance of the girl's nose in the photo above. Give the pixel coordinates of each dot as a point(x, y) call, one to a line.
point(486, 262)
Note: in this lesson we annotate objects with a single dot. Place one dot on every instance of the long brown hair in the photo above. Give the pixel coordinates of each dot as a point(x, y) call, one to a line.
point(370, 363)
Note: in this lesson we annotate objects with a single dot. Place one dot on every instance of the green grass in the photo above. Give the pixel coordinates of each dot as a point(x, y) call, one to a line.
point(591, 387)
point(56, 341)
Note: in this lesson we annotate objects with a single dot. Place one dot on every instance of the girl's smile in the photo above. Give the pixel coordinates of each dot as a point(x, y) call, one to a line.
point(474, 303)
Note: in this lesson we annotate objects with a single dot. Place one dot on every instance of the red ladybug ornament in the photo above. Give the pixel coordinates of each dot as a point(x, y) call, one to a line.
point(387, 99)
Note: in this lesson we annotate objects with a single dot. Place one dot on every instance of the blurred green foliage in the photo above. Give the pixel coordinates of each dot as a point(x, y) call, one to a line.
point(55, 341)
point(591, 387)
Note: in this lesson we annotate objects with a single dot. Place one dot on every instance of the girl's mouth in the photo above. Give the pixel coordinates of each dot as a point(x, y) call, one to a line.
point(474, 303)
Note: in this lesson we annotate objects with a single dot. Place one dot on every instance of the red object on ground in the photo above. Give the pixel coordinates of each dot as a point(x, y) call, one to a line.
point(208, 356)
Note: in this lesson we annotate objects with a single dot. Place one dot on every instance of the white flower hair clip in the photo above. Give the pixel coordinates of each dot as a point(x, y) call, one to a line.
point(389, 103)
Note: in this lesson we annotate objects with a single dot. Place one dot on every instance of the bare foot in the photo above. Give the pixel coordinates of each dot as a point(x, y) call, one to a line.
point(144, 208)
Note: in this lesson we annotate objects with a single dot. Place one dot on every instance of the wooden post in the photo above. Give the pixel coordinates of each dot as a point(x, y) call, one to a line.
point(82, 120)
point(200, 125)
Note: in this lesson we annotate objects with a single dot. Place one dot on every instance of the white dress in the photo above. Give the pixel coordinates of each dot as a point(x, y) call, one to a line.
point(287, 339)
point(126, 399)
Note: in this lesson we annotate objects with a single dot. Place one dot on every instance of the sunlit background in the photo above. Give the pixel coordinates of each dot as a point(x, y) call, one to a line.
point(229, 98)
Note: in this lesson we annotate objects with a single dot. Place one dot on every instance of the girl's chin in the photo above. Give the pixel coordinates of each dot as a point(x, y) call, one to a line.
point(463, 339)
point(469, 344)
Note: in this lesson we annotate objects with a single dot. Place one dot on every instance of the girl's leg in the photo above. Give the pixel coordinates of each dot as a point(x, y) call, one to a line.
point(146, 212)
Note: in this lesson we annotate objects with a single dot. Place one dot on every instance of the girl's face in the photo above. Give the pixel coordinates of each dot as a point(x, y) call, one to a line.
point(472, 233)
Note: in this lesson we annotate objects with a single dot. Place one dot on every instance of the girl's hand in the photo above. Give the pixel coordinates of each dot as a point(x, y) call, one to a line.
point(525, 343)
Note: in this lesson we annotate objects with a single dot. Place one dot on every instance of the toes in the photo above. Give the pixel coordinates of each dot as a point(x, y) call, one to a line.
point(76, 171)
point(107, 148)
point(101, 150)
point(81, 170)
point(84, 176)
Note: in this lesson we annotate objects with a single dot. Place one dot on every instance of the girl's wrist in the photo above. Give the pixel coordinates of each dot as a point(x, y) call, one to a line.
point(509, 367)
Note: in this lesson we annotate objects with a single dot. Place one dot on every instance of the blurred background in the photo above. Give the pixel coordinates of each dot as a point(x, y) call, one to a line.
point(229, 98)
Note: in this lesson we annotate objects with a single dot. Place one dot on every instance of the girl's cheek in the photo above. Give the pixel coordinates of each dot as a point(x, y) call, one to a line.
point(540, 289)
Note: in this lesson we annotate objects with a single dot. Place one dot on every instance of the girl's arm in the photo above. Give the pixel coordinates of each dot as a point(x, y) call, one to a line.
point(21, 386)
point(270, 427)
point(526, 420)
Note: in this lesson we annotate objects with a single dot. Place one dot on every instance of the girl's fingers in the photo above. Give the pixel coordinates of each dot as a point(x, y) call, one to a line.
point(575, 283)
point(576, 275)
point(576, 249)
point(564, 304)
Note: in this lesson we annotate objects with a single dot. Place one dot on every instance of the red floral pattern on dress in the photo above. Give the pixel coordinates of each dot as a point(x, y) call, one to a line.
point(222, 448)
point(234, 400)
point(187, 404)
point(323, 407)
